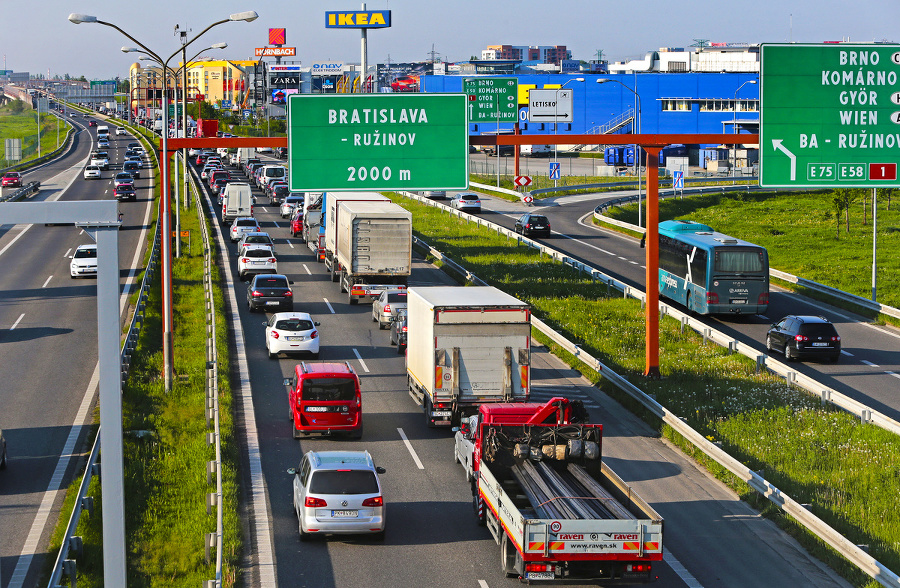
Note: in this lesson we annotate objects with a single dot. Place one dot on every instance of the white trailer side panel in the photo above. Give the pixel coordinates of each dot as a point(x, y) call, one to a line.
point(374, 238)
point(332, 200)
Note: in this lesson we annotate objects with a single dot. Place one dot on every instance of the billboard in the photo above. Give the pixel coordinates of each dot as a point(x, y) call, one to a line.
point(277, 37)
point(284, 80)
point(275, 51)
point(279, 95)
point(358, 19)
point(327, 69)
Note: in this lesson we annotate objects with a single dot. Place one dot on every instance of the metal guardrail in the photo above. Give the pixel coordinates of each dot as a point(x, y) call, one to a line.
point(26, 190)
point(853, 553)
point(71, 542)
point(835, 293)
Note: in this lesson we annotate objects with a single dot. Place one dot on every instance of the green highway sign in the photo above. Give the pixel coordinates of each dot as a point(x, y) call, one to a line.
point(353, 142)
point(829, 116)
point(492, 99)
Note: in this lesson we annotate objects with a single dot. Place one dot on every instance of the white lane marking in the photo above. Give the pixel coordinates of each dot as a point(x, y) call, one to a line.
point(328, 304)
point(586, 244)
point(40, 520)
point(482, 584)
point(359, 357)
point(869, 363)
point(409, 446)
point(622, 258)
point(847, 353)
point(291, 244)
point(633, 262)
point(679, 569)
point(66, 254)
point(276, 224)
point(47, 282)
point(307, 269)
point(893, 374)
point(18, 320)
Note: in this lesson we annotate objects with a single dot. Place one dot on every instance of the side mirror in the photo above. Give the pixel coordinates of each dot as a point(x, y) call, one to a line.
point(286, 382)
point(292, 471)
point(265, 323)
point(290, 281)
point(380, 470)
point(317, 323)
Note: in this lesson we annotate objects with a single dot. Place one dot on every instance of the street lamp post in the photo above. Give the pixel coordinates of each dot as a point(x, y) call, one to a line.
point(113, 487)
point(734, 125)
point(637, 155)
point(556, 122)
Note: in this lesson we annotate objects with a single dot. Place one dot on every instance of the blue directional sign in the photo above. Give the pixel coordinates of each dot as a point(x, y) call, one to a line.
point(554, 170)
point(246, 113)
point(679, 180)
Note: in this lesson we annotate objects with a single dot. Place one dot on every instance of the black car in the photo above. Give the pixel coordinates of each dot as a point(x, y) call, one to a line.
point(270, 291)
point(803, 337)
point(533, 224)
point(279, 194)
point(3, 457)
point(281, 152)
point(124, 192)
point(132, 167)
point(398, 332)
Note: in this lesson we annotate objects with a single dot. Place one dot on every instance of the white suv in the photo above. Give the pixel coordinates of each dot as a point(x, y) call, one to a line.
point(338, 492)
point(256, 259)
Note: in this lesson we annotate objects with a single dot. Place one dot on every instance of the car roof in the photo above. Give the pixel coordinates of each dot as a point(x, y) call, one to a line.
point(354, 460)
point(279, 316)
point(255, 233)
point(87, 246)
point(806, 319)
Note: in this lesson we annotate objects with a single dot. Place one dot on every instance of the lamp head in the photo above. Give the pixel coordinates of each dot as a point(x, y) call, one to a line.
point(129, 49)
point(579, 79)
point(80, 18)
point(218, 46)
point(248, 16)
point(603, 80)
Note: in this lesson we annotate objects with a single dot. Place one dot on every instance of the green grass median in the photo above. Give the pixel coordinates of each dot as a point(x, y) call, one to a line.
point(846, 471)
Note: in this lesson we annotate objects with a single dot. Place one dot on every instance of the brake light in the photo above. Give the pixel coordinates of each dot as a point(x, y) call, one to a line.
point(387, 308)
point(272, 260)
point(288, 293)
point(836, 338)
point(538, 567)
point(314, 502)
point(404, 329)
point(528, 226)
point(801, 338)
point(314, 335)
point(245, 260)
point(763, 298)
point(256, 294)
point(712, 298)
point(377, 501)
point(275, 334)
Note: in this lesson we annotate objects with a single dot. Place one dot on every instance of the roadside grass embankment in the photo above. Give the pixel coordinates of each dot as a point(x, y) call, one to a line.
point(846, 471)
point(23, 125)
point(802, 235)
point(165, 445)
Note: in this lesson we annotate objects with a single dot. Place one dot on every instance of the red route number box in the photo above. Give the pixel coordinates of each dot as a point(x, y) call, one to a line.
point(882, 171)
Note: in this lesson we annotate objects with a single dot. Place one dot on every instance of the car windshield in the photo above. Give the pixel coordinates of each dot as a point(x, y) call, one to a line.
point(257, 239)
point(258, 253)
point(89, 252)
point(294, 324)
point(325, 389)
point(343, 482)
point(271, 282)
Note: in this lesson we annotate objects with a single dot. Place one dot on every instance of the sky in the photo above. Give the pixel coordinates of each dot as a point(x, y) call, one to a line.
point(37, 36)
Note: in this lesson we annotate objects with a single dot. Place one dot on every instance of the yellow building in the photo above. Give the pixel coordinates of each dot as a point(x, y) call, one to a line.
point(216, 80)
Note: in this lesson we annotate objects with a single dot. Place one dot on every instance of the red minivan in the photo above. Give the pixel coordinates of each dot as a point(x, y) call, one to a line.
point(325, 399)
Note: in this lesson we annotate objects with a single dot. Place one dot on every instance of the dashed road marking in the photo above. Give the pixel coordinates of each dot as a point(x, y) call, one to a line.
point(409, 446)
point(363, 363)
point(328, 304)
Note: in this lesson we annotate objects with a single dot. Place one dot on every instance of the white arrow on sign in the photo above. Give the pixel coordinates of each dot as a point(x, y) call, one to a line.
point(776, 144)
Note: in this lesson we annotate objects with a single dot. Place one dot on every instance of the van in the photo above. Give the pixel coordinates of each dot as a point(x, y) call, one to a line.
point(103, 131)
point(272, 171)
point(536, 150)
point(237, 200)
point(324, 399)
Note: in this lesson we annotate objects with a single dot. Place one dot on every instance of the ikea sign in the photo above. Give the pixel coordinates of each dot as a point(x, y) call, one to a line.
point(358, 19)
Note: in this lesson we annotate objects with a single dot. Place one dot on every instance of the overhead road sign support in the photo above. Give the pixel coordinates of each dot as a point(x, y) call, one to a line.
point(829, 116)
point(352, 142)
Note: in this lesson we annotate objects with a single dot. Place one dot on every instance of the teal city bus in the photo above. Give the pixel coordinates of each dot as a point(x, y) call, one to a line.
point(711, 273)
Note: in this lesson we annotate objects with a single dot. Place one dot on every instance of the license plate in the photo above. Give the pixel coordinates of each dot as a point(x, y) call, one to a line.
point(820, 344)
point(344, 514)
point(536, 227)
point(298, 338)
point(257, 262)
point(441, 413)
point(539, 576)
point(272, 303)
point(316, 409)
point(738, 301)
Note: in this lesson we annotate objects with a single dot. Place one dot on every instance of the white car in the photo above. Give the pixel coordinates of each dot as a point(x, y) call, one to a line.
point(264, 150)
point(287, 207)
point(255, 238)
point(92, 172)
point(338, 492)
point(292, 332)
point(256, 259)
point(84, 261)
point(120, 130)
point(241, 225)
point(468, 201)
point(100, 159)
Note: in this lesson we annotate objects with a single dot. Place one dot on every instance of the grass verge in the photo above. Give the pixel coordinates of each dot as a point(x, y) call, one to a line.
point(165, 446)
point(847, 471)
point(23, 126)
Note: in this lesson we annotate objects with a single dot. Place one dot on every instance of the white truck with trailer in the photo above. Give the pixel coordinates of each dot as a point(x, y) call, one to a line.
point(330, 212)
point(373, 247)
point(557, 511)
point(466, 346)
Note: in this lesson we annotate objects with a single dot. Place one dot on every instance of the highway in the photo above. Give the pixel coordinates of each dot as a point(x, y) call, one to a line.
point(869, 369)
point(432, 536)
point(48, 351)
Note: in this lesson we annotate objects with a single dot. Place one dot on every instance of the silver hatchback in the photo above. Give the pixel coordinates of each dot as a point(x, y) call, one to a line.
point(386, 308)
point(338, 492)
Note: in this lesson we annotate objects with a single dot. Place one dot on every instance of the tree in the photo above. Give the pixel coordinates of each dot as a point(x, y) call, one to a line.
point(842, 200)
point(16, 106)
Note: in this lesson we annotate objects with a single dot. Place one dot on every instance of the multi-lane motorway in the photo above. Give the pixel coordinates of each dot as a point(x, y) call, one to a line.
point(48, 350)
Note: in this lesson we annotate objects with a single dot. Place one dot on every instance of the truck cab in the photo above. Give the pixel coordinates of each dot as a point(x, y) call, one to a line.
point(325, 399)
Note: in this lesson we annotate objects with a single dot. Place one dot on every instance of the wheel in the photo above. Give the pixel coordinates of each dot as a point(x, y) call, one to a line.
point(382, 326)
point(334, 276)
point(358, 433)
point(788, 354)
point(271, 355)
point(374, 316)
point(456, 455)
point(294, 432)
point(508, 558)
point(316, 355)
point(392, 339)
point(249, 307)
point(769, 345)
point(379, 536)
point(834, 359)
point(3, 462)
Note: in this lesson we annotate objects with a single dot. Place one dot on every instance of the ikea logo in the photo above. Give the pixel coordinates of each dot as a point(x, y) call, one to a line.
point(371, 19)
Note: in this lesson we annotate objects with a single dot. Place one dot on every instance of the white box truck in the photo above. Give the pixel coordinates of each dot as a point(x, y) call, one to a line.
point(237, 200)
point(374, 247)
point(330, 202)
point(466, 346)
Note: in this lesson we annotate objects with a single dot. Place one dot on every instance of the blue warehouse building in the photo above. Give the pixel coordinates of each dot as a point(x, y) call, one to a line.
point(684, 103)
